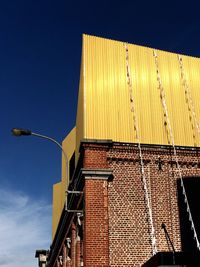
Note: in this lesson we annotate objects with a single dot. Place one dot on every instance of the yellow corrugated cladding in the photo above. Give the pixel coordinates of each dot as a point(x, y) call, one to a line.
point(59, 189)
point(80, 110)
point(104, 110)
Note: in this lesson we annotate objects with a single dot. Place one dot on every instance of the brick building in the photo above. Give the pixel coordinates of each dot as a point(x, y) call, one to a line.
point(128, 194)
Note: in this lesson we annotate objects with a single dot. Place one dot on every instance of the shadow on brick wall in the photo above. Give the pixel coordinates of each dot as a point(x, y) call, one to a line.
point(192, 187)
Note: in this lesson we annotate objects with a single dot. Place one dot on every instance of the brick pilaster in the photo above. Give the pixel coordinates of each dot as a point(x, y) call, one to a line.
point(96, 245)
point(73, 245)
point(68, 262)
point(64, 255)
point(78, 254)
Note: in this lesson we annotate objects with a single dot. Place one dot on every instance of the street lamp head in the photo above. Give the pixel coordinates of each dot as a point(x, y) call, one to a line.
point(20, 132)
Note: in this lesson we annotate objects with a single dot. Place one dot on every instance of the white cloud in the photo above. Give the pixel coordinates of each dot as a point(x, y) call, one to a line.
point(25, 225)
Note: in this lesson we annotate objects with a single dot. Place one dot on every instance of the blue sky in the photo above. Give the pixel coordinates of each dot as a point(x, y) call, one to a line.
point(40, 50)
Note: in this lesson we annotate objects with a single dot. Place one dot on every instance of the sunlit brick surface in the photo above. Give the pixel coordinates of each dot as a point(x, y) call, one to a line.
point(129, 239)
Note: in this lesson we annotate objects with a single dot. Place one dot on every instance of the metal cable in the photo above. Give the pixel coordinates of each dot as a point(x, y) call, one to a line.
point(168, 124)
point(137, 135)
point(188, 96)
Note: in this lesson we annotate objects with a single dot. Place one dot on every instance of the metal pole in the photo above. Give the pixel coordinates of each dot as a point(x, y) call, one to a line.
point(52, 140)
point(26, 132)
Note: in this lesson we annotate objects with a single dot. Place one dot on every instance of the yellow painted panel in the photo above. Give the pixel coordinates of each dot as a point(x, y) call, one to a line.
point(80, 107)
point(104, 100)
point(69, 146)
point(59, 189)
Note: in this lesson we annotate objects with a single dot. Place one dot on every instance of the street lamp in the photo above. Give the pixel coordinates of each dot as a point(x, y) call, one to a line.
point(24, 132)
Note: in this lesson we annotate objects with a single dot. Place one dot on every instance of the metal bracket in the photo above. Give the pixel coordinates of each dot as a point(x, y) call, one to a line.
point(78, 211)
point(75, 192)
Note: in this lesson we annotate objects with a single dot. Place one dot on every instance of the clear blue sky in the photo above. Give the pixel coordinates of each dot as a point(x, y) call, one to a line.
point(40, 49)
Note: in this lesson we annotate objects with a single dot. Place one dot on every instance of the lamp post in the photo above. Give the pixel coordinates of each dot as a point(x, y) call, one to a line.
point(24, 132)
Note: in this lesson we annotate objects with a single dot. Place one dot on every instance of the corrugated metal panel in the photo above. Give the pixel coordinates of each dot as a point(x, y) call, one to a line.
point(59, 189)
point(80, 107)
point(107, 112)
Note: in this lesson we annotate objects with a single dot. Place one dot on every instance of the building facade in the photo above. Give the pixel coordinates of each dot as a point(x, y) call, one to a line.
point(128, 194)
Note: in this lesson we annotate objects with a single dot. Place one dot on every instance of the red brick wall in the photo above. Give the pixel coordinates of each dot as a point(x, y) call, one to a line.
point(96, 223)
point(95, 156)
point(115, 219)
point(73, 245)
point(128, 241)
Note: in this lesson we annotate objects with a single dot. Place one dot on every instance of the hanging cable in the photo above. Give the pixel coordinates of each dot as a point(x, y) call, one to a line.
point(188, 95)
point(137, 135)
point(168, 124)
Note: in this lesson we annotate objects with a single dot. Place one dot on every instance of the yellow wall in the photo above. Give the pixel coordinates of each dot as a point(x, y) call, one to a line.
point(80, 109)
point(104, 100)
point(59, 189)
point(69, 145)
